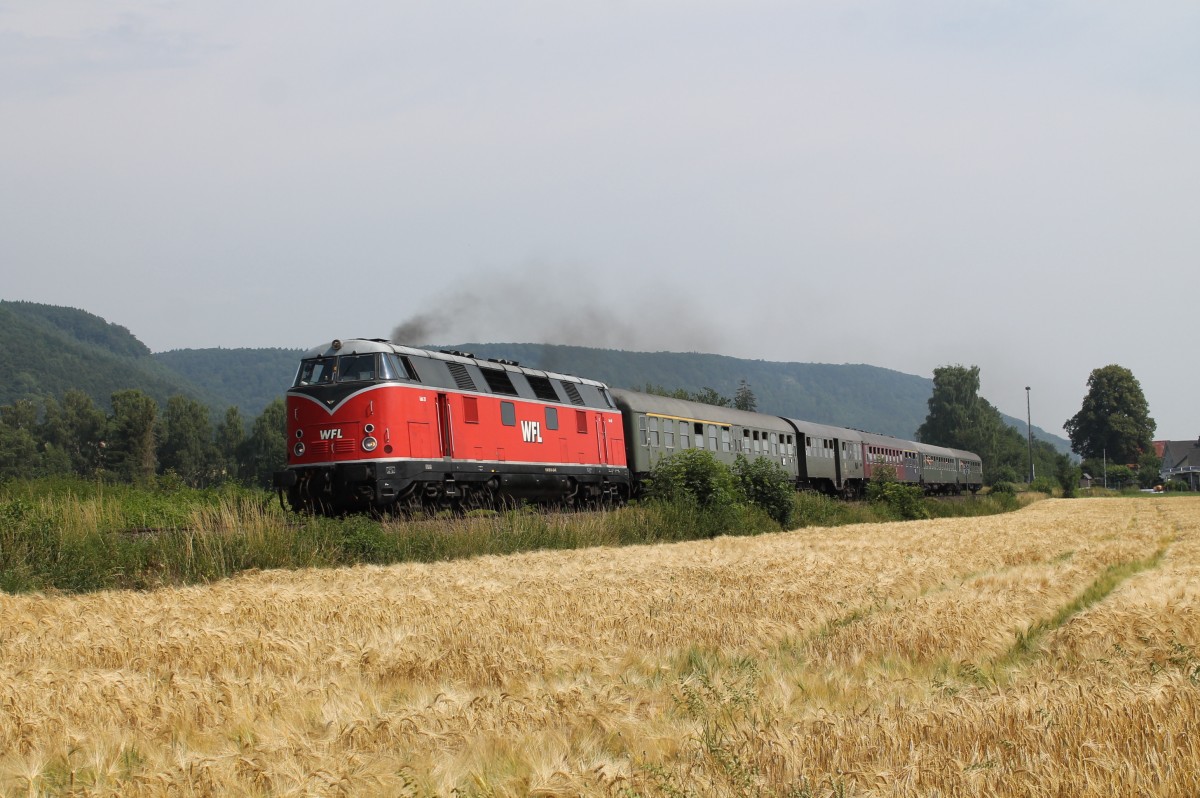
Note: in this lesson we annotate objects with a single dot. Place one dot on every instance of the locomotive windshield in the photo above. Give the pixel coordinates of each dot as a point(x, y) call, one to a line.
point(356, 368)
point(317, 371)
point(347, 368)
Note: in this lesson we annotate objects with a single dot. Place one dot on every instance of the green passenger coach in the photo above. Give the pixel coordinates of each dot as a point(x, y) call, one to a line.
point(659, 426)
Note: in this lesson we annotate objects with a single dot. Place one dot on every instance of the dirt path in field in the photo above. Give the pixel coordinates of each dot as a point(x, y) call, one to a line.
point(1046, 652)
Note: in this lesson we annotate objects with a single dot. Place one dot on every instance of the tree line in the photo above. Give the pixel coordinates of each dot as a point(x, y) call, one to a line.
point(743, 398)
point(137, 441)
point(1113, 424)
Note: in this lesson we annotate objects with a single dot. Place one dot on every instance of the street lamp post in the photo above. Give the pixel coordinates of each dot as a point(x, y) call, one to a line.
point(1029, 431)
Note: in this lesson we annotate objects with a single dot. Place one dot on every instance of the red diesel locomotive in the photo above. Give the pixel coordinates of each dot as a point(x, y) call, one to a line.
point(374, 425)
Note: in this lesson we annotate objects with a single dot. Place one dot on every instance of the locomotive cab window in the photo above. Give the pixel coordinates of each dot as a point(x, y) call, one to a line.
point(356, 368)
point(317, 371)
point(392, 367)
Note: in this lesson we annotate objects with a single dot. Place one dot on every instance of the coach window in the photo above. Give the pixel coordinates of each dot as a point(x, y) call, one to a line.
point(669, 433)
point(712, 437)
point(699, 430)
point(726, 439)
point(754, 445)
point(684, 440)
point(551, 418)
point(508, 414)
point(774, 444)
point(653, 431)
point(645, 439)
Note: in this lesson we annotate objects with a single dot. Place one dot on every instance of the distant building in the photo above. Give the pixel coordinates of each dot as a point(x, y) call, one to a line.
point(1181, 460)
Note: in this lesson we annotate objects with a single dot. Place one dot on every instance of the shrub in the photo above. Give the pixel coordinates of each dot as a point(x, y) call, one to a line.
point(766, 485)
point(694, 475)
point(1004, 487)
point(1043, 485)
point(1068, 478)
point(904, 501)
point(1177, 485)
point(1003, 473)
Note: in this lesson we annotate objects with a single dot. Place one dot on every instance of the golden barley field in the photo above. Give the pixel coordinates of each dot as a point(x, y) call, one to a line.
point(1050, 652)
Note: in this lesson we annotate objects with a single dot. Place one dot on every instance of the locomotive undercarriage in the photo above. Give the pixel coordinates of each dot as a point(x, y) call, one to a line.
point(416, 487)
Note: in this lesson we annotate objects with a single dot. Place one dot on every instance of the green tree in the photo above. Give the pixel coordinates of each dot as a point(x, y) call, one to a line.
point(960, 419)
point(187, 444)
point(231, 432)
point(710, 397)
point(70, 434)
point(1114, 421)
point(1148, 466)
point(706, 395)
point(19, 455)
point(131, 436)
point(265, 451)
point(744, 399)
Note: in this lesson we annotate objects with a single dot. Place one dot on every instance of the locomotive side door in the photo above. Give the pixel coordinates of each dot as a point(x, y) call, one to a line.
point(601, 439)
point(445, 432)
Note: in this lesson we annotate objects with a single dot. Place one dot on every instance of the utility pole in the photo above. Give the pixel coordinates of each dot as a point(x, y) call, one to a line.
point(1029, 431)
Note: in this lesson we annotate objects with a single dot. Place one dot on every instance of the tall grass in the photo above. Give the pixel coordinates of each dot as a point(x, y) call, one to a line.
point(77, 536)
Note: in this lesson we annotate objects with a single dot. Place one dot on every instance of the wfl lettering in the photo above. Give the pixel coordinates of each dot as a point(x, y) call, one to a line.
point(531, 431)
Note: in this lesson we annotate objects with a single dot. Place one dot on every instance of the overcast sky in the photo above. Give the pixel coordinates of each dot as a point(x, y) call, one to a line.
point(1013, 185)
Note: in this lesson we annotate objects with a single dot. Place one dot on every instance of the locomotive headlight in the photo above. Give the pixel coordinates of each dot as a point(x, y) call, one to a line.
point(369, 428)
point(299, 434)
point(369, 444)
point(298, 449)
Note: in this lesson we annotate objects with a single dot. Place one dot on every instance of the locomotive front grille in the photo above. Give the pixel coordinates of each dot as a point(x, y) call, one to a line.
point(345, 447)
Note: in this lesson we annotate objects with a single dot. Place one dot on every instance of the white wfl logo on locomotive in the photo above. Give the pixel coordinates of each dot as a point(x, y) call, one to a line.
point(331, 434)
point(531, 431)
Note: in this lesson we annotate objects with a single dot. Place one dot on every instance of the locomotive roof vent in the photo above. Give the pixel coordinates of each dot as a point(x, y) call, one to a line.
point(503, 361)
point(456, 353)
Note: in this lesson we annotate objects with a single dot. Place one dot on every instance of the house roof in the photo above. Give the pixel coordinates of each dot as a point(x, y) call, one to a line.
point(1181, 454)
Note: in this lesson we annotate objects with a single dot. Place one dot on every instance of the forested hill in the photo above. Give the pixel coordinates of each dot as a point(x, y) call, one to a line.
point(249, 379)
point(46, 350)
